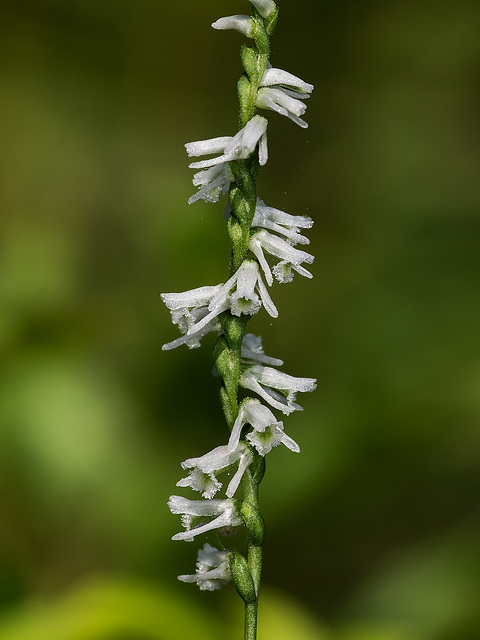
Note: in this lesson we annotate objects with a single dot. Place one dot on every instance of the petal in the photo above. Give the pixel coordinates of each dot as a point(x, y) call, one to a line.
point(264, 7)
point(274, 76)
point(241, 23)
point(205, 147)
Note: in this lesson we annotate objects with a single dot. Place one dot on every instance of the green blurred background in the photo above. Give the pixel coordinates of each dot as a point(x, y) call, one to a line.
point(374, 530)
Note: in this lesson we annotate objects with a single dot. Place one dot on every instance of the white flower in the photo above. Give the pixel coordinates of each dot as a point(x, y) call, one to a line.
point(264, 7)
point(241, 23)
point(283, 92)
point(248, 295)
point(240, 147)
point(223, 512)
point(212, 183)
point(281, 222)
point(202, 475)
point(252, 349)
point(267, 431)
point(280, 101)
point(187, 310)
point(265, 241)
point(213, 570)
point(277, 388)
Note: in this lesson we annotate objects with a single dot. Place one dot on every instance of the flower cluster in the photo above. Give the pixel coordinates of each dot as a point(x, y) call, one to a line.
point(271, 234)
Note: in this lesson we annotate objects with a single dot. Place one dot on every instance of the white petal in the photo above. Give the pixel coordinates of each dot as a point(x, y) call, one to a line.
point(245, 461)
point(264, 7)
point(256, 249)
point(252, 349)
point(240, 23)
point(263, 150)
point(205, 147)
point(193, 298)
point(277, 100)
point(278, 76)
point(270, 308)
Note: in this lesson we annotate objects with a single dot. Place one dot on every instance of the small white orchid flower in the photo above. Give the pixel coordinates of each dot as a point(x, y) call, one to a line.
point(223, 512)
point(281, 222)
point(264, 241)
point(187, 310)
point(213, 183)
point(267, 430)
point(213, 570)
point(264, 7)
point(202, 475)
point(240, 147)
point(242, 24)
point(277, 388)
point(282, 102)
point(252, 349)
point(248, 295)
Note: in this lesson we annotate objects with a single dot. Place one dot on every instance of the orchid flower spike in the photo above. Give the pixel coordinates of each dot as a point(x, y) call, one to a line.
point(281, 222)
point(213, 570)
point(223, 512)
point(267, 431)
point(202, 475)
point(275, 387)
point(187, 310)
point(239, 147)
point(291, 258)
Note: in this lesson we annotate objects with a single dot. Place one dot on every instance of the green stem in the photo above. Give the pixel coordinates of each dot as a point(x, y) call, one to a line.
point(243, 199)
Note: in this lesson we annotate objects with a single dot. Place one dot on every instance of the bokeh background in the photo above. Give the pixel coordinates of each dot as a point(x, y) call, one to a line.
point(374, 530)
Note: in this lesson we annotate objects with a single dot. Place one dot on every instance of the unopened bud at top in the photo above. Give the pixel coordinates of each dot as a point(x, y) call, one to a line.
point(264, 7)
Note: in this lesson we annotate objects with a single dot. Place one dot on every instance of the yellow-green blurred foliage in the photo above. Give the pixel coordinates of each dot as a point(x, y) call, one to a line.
point(373, 531)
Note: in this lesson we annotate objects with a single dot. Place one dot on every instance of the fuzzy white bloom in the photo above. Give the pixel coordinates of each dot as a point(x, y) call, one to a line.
point(203, 469)
point(267, 430)
point(244, 292)
point(213, 183)
point(264, 7)
point(241, 23)
point(239, 147)
point(213, 570)
point(283, 92)
point(187, 310)
point(281, 222)
point(286, 81)
point(280, 101)
point(293, 258)
point(223, 512)
point(277, 388)
point(252, 349)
